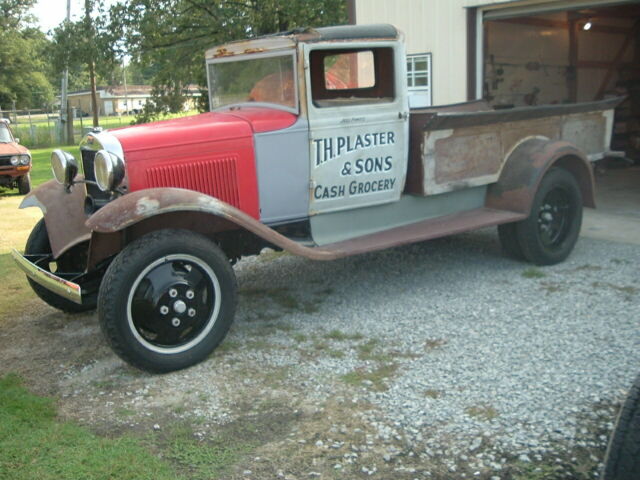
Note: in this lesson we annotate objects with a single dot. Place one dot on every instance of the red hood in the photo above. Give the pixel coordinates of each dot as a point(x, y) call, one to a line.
point(212, 153)
point(12, 149)
point(205, 127)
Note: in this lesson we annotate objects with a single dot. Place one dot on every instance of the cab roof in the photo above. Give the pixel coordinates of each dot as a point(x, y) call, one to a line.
point(288, 40)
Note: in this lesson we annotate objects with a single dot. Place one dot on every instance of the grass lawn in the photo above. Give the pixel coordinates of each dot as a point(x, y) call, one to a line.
point(41, 163)
point(35, 444)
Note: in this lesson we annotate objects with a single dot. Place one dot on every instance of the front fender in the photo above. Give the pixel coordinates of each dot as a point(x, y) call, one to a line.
point(63, 212)
point(147, 205)
point(525, 167)
point(135, 207)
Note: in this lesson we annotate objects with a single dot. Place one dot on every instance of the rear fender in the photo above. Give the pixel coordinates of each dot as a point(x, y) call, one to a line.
point(525, 167)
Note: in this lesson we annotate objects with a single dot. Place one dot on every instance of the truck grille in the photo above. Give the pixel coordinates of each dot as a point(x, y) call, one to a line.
point(5, 161)
point(215, 177)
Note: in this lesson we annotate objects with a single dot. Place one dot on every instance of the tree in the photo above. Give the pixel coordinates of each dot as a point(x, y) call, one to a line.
point(23, 67)
point(171, 36)
point(87, 43)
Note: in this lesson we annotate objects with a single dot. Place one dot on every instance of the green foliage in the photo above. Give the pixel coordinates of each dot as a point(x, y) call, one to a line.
point(23, 65)
point(171, 36)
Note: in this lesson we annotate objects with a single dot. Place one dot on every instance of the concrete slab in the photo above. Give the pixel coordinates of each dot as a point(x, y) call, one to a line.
point(617, 217)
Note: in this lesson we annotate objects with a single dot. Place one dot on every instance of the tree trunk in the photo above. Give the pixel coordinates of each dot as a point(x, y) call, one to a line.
point(88, 6)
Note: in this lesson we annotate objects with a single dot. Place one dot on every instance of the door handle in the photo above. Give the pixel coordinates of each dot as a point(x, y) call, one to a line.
point(403, 115)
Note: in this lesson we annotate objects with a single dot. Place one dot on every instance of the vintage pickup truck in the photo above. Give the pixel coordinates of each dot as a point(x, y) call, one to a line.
point(310, 147)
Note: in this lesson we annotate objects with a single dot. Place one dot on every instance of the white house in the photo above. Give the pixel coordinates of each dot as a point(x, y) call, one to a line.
point(120, 99)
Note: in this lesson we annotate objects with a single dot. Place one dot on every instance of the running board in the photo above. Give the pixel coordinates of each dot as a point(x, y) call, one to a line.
point(415, 232)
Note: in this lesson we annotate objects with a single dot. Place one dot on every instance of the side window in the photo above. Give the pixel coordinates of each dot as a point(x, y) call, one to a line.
point(355, 76)
point(419, 79)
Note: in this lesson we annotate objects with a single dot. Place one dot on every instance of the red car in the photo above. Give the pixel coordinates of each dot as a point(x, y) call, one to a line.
point(15, 161)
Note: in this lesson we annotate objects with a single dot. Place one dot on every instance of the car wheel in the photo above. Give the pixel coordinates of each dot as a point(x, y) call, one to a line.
point(551, 231)
point(71, 261)
point(167, 300)
point(622, 460)
point(24, 184)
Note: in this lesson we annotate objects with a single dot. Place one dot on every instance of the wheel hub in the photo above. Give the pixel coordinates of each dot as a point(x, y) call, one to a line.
point(179, 307)
point(553, 217)
point(182, 288)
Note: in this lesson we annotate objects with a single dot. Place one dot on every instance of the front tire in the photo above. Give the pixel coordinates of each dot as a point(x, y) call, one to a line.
point(24, 184)
point(551, 231)
point(167, 300)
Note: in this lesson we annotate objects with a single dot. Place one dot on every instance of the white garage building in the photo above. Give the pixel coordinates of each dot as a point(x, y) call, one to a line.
point(516, 53)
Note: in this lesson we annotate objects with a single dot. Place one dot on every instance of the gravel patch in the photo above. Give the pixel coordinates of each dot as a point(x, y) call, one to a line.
point(491, 352)
point(444, 351)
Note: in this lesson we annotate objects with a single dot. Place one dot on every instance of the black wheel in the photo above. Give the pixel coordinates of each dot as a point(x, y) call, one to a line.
point(622, 460)
point(71, 261)
point(550, 232)
point(508, 235)
point(24, 184)
point(167, 300)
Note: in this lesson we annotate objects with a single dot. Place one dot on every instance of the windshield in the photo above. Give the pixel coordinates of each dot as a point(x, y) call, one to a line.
point(5, 134)
point(267, 80)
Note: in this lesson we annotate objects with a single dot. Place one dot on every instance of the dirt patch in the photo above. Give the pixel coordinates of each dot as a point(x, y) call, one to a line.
point(15, 224)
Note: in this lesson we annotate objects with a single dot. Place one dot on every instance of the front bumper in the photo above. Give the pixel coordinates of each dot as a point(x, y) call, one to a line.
point(53, 283)
point(17, 171)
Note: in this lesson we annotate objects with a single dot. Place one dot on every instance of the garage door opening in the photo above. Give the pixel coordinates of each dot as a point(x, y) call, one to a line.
point(568, 56)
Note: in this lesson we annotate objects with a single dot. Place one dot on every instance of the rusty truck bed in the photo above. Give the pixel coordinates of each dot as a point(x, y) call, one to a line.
point(465, 145)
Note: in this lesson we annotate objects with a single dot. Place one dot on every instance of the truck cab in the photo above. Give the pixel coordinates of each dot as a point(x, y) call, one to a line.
point(348, 145)
point(309, 147)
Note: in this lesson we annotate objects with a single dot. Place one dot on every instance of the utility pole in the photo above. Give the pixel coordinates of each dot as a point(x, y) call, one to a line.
point(124, 75)
point(63, 90)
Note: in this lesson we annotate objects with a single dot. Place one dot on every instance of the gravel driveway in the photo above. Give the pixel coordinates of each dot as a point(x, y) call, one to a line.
point(415, 362)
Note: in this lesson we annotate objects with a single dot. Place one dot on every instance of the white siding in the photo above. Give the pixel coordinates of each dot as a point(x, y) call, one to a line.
point(437, 27)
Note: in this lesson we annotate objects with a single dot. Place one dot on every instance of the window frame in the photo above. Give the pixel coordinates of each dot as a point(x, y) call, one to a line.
point(383, 55)
point(411, 58)
point(254, 56)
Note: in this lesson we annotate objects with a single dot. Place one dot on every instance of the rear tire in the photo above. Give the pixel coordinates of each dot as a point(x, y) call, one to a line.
point(38, 243)
point(622, 460)
point(167, 300)
point(551, 231)
point(24, 184)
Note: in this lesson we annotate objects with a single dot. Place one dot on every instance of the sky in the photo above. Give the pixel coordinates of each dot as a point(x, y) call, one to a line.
point(50, 13)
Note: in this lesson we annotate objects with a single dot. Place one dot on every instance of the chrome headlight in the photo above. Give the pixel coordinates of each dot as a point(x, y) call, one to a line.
point(23, 159)
point(64, 167)
point(109, 170)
